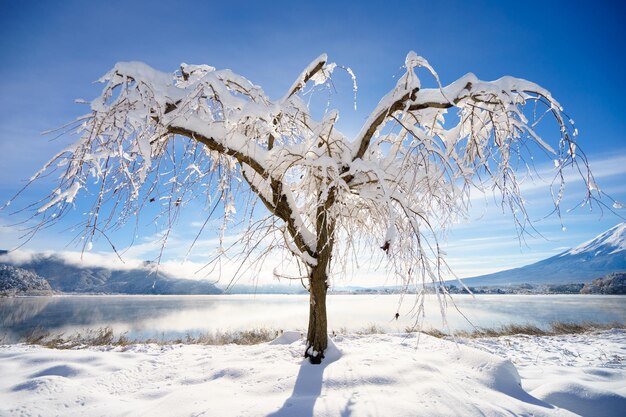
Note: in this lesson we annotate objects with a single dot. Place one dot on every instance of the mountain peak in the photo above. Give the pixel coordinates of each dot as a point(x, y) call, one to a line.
point(599, 256)
point(609, 242)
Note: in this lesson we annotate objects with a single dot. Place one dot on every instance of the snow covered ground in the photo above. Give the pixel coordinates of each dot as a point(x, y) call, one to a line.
point(584, 373)
point(374, 375)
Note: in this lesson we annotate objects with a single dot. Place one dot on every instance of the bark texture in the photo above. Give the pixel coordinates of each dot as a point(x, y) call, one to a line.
point(317, 335)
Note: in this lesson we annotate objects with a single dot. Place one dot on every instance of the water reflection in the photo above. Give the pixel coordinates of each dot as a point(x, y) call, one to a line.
point(17, 310)
point(171, 317)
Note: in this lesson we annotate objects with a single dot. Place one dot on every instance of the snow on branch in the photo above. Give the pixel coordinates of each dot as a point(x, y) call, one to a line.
point(317, 71)
point(156, 138)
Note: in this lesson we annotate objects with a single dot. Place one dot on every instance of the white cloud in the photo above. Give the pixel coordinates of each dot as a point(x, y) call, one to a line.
point(224, 269)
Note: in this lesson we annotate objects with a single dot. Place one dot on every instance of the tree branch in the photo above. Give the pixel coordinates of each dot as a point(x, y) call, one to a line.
point(279, 206)
point(309, 72)
point(378, 118)
point(215, 145)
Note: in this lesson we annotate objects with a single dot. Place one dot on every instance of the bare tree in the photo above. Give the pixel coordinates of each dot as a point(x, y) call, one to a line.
point(158, 138)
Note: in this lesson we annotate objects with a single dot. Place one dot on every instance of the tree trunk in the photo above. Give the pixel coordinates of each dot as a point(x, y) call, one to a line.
point(317, 335)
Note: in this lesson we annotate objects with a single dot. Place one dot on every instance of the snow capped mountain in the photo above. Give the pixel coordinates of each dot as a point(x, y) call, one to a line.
point(607, 243)
point(599, 256)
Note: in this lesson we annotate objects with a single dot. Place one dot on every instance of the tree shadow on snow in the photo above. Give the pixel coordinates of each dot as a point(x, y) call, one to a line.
point(306, 390)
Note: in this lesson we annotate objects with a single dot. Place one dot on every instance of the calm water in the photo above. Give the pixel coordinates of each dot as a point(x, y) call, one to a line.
point(170, 317)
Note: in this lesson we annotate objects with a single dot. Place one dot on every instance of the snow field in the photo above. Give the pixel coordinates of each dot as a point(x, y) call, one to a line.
point(373, 375)
point(585, 373)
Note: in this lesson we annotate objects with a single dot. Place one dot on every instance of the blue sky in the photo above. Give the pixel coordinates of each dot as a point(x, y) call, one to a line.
point(52, 52)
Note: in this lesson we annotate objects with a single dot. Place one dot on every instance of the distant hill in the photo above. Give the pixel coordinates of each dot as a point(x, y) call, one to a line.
point(65, 277)
point(18, 281)
point(614, 283)
point(599, 256)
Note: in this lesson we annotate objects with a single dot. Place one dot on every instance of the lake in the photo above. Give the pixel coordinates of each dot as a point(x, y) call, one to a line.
point(170, 317)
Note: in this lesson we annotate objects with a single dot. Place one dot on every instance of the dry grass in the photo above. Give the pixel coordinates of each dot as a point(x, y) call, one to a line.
point(98, 337)
point(370, 329)
point(106, 337)
point(432, 332)
point(556, 328)
point(245, 337)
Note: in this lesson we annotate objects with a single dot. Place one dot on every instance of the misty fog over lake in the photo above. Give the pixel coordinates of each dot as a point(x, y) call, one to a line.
point(171, 317)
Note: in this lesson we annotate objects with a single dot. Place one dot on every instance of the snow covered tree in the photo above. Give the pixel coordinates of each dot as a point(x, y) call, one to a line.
point(155, 139)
